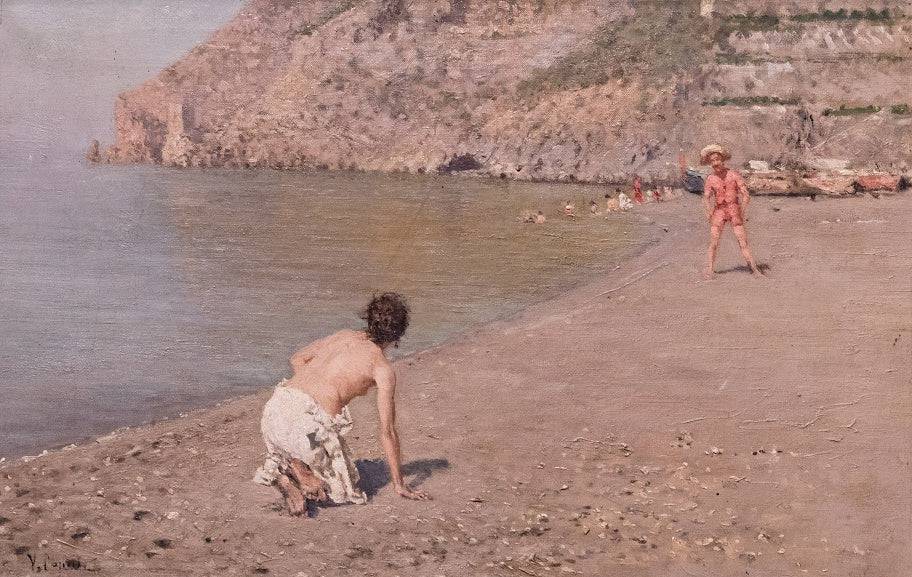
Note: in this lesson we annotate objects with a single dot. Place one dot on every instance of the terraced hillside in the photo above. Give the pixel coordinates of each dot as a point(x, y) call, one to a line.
point(592, 90)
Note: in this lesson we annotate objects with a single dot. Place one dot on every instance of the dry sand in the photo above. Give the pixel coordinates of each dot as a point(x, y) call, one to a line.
point(670, 427)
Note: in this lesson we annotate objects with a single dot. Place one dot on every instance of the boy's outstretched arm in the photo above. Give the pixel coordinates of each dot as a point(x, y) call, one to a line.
point(385, 377)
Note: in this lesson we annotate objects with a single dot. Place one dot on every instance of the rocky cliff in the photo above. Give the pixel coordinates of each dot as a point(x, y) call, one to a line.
point(591, 90)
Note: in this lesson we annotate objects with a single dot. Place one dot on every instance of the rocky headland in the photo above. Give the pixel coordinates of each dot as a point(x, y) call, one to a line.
point(532, 89)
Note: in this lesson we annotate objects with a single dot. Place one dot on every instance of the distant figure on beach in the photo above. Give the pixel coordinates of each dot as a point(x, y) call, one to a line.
point(611, 204)
point(593, 207)
point(725, 199)
point(569, 209)
point(624, 201)
point(304, 422)
point(533, 217)
point(637, 189)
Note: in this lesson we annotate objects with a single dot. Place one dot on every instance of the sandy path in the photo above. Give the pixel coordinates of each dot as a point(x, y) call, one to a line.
point(670, 427)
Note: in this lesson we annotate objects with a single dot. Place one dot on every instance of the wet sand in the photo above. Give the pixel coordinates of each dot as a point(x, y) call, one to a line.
point(647, 423)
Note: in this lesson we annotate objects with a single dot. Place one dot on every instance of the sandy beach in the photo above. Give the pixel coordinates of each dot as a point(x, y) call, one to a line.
point(648, 423)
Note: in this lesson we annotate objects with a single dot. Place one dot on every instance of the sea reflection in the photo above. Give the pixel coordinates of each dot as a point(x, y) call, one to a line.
point(137, 292)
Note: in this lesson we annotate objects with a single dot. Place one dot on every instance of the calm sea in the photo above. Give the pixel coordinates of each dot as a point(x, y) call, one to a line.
point(128, 294)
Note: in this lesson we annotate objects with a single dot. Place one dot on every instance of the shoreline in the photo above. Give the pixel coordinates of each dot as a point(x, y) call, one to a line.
point(457, 336)
point(769, 183)
point(167, 390)
point(645, 421)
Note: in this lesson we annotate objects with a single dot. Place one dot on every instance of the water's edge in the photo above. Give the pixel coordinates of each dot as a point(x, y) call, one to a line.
point(137, 294)
point(654, 244)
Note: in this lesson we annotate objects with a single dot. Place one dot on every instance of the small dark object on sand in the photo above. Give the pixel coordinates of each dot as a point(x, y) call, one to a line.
point(693, 181)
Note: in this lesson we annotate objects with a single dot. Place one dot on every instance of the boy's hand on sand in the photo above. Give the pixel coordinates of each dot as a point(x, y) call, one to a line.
point(413, 495)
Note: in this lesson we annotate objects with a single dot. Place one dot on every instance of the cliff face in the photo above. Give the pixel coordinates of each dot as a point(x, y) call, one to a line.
point(531, 89)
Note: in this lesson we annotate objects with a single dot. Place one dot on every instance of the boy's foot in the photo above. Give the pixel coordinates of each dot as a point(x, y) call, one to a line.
point(294, 500)
point(313, 488)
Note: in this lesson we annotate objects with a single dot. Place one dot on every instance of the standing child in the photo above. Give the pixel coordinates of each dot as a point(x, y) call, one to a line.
point(637, 189)
point(725, 199)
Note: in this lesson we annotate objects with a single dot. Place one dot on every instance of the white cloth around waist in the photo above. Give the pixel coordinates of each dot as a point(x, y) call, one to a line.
point(295, 426)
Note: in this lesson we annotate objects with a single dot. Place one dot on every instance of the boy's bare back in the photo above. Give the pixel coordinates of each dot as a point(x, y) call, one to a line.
point(336, 369)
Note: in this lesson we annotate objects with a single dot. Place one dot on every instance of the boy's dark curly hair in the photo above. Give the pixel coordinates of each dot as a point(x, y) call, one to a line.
point(387, 318)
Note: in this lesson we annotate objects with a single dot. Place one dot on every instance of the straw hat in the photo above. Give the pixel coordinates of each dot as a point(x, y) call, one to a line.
point(711, 149)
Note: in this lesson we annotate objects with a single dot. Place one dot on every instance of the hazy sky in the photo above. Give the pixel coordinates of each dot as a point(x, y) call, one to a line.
point(62, 63)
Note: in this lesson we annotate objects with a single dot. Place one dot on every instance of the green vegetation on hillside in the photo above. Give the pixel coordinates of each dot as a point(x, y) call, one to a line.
point(751, 101)
point(662, 40)
point(744, 24)
point(886, 57)
point(844, 110)
point(742, 58)
point(843, 14)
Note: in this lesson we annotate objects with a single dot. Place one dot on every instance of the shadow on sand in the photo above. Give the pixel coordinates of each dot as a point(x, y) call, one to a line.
point(375, 473)
point(764, 268)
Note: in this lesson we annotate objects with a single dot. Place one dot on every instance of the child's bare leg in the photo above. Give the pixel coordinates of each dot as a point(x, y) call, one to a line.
point(741, 235)
point(714, 234)
point(310, 485)
point(294, 500)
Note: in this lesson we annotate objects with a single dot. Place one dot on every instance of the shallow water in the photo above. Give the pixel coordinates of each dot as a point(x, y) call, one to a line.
point(132, 293)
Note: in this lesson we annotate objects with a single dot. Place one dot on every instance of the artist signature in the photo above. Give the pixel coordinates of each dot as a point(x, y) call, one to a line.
point(43, 563)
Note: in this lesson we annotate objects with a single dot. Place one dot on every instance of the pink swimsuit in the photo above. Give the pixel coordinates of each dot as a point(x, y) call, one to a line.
point(728, 207)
